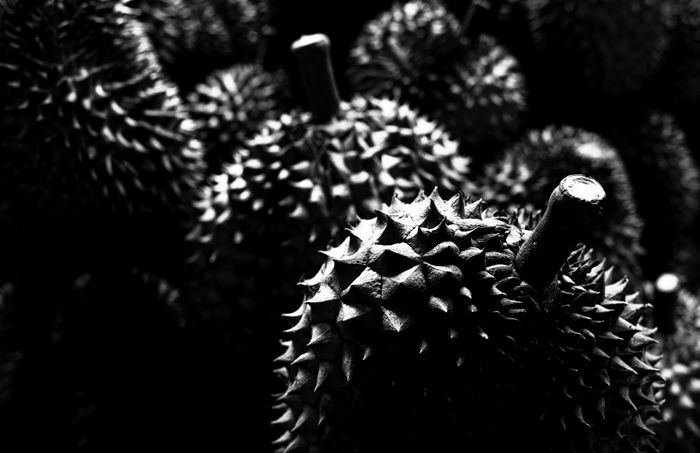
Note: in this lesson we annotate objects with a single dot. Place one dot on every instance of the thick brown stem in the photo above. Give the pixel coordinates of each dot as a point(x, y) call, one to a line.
point(312, 53)
point(666, 291)
point(572, 210)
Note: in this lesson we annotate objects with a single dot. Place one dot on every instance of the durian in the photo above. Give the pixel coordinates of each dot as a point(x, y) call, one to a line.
point(437, 327)
point(677, 320)
point(98, 157)
point(598, 48)
point(415, 53)
point(528, 171)
point(665, 180)
point(231, 105)
point(303, 176)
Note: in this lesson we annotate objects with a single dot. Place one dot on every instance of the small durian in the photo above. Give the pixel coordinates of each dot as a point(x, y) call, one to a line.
point(598, 48)
point(666, 184)
point(416, 53)
point(438, 327)
point(231, 105)
point(98, 157)
point(526, 174)
point(677, 320)
point(305, 175)
point(194, 38)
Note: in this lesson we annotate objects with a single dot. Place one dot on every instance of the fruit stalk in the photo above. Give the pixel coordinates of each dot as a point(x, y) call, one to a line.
point(666, 291)
point(573, 208)
point(312, 53)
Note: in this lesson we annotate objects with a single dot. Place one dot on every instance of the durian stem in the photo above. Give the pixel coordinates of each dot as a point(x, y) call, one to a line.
point(572, 210)
point(469, 15)
point(666, 291)
point(312, 53)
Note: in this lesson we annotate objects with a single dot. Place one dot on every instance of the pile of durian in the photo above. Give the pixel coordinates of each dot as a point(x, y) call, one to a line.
point(358, 227)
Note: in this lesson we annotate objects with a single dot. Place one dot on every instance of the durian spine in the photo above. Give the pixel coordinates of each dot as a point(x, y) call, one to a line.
point(572, 209)
point(312, 53)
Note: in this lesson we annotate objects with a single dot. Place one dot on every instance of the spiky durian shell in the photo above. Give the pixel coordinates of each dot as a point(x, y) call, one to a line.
point(196, 37)
point(98, 155)
point(680, 366)
point(600, 47)
point(527, 172)
point(296, 184)
point(229, 107)
point(416, 54)
point(666, 182)
point(418, 334)
point(676, 85)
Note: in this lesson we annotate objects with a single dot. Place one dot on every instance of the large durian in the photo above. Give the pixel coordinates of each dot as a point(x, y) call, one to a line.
point(598, 48)
point(677, 320)
point(528, 171)
point(438, 327)
point(97, 155)
point(304, 175)
point(416, 53)
point(666, 182)
point(231, 105)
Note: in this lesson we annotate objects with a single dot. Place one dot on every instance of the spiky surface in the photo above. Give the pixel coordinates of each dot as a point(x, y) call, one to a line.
point(528, 172)
point(600, 47)
point(230, 106)
point(416, 53)
point(680, 366)
point(297, 184)
point(418, 334)
point(666, 182)
point(92, 138)
point(195, 37)
point(676, 85)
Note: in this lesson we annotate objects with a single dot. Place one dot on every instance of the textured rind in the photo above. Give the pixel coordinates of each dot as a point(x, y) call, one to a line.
point(601, 47)
point(680, 366)
point(417, 333)
point(666, 180)
point(527, 172)
point(195, 37)
point(91, 134)
point(416, 53)
point(231, 105)
point(296, 184)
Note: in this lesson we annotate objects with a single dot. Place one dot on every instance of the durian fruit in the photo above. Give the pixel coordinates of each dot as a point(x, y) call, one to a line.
point(303, 176)
point(194, 38)
point(438, 327)
point(231, 105)
point(97, 157)
point(665, 180)
point(416, 53)
point(598, 48)
point(676, 86)
point(677, 320)
point(528, 171)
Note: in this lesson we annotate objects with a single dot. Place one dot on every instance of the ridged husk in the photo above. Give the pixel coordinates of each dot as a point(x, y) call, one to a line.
point(416, 54)
point(296, 184)
point(418, 334)
point(666, 181)
point(94, 142)
point(529, 171)
point(231, 105)
point(680, 366)
point(195, 37)
point(602, 47)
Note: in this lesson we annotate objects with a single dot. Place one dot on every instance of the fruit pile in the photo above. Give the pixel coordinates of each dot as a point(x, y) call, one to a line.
point(371, 227)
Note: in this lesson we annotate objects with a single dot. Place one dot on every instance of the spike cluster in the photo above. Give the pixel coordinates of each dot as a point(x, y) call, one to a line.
point(602, 47)
point(297, 183)
point(529, 170)
point(91, 134)
point(416, 53)
point(231, 105)
point(418, 334)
